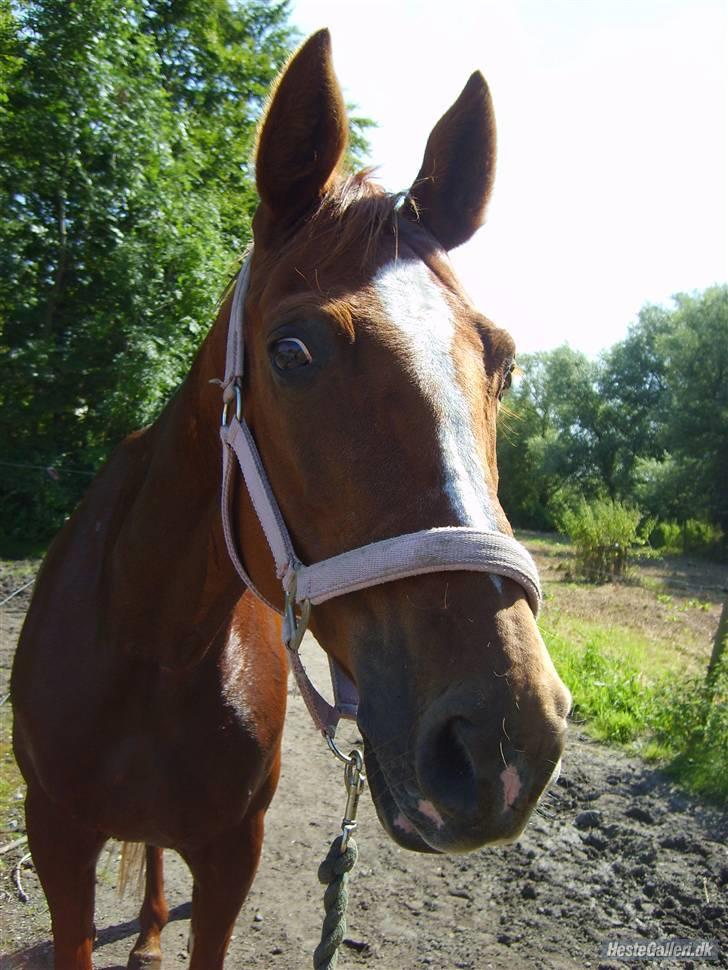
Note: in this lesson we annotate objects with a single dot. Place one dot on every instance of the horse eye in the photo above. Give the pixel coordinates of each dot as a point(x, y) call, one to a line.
point(290, 353)
point(507, 380)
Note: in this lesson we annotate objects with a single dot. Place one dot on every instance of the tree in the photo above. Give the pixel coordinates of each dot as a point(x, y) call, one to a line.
point(633, 383)
point(646, 421)
point(556, 437)
point(695, 410)
point(126, 130)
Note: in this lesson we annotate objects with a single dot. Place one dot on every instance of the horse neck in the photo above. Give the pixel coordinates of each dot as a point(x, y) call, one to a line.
point(170, 551)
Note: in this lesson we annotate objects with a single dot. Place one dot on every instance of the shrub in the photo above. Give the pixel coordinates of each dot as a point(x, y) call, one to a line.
point(689, 720)
point(603, 533)
point(700, 536)
point(695, 536)
point(667, 537)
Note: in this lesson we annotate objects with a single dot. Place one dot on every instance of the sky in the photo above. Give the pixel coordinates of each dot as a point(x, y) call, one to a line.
point(611, 186)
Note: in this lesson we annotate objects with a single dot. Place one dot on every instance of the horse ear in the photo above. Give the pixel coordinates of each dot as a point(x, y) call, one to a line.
point(454, 183)
point(304, 132)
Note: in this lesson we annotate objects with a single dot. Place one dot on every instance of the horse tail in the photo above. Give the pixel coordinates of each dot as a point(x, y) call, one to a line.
point(132, 867)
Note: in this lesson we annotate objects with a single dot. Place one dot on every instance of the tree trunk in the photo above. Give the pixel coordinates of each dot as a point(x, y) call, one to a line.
point(719, 643)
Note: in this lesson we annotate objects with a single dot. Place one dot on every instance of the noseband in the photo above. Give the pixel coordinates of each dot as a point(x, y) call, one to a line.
point(428, 551)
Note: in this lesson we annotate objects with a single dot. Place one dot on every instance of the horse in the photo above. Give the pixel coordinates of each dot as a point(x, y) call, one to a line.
point(149, 685)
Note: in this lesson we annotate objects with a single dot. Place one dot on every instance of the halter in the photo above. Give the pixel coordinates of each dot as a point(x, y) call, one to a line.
point(413, 554)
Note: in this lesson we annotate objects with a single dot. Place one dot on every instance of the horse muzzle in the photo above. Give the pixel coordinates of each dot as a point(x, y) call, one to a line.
point(463, 783)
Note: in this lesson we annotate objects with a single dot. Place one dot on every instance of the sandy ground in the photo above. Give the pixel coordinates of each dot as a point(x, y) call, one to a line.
point(618, 852)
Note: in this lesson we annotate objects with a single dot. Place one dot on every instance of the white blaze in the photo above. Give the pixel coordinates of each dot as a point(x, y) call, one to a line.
point(415, 304)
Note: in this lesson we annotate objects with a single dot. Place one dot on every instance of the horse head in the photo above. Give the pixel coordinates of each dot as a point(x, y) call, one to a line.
point(372, 388)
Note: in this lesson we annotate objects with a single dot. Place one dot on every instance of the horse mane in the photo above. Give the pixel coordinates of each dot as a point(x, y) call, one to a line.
point(358, 213)
point(352, 218)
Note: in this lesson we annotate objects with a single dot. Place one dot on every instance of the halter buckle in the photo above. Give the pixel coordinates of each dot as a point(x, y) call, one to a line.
point(238, 406)
point(294, 627)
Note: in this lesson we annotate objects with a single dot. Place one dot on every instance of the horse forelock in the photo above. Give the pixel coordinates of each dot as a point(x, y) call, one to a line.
point(351, 224)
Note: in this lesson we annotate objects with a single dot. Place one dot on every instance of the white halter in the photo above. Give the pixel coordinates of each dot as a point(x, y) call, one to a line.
point(429, 551)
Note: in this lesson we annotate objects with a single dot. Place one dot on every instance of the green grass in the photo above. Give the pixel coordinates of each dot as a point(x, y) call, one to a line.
point(620, 644)
point(676, 719)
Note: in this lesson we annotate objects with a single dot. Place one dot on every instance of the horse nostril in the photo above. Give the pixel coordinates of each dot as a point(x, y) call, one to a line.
point(445, 768)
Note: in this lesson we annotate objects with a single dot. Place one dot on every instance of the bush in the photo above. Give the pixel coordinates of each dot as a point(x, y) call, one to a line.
point(667, 537)
point(695, 536)
point(700, 536)
point(603, 533)
point(689, 720)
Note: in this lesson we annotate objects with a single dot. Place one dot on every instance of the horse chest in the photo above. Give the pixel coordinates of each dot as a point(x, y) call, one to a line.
point(145, 754)
point(166, 770)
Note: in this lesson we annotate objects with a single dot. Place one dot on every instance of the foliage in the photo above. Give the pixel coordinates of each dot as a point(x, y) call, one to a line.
point(646, 423)
point(603, 533)
point(126, 191)
point(692, 536)
point(689, 721)
point(694, 411)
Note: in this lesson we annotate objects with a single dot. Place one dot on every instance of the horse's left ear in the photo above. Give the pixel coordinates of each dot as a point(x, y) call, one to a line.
point(454, 183)
point(304, 133)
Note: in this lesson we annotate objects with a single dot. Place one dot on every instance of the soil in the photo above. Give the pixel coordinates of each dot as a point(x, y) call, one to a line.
point(615, 851)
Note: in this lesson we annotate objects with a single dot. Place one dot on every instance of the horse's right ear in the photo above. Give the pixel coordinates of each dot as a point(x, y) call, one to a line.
point(304, 132)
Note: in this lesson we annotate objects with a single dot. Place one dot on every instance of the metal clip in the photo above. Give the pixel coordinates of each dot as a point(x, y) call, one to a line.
point(354, 780)
point(294, 627)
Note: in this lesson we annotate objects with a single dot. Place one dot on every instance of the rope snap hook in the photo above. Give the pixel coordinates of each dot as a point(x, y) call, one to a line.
point(335, 870)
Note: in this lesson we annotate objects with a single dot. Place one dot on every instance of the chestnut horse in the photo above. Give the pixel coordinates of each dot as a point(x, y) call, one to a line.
point(149, 686)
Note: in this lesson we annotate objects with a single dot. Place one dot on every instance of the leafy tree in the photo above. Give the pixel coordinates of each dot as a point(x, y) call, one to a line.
point(8, 51)
point(648, 421)
point(632, 385)
point(126, 130)
point(556, 437)
point(694, 414)
point(526, 441)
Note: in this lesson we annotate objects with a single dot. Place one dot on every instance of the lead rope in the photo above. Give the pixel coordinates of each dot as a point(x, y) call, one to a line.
point(335, 870)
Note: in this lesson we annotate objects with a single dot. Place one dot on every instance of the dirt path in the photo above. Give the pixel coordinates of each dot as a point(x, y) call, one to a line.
point(617, 852)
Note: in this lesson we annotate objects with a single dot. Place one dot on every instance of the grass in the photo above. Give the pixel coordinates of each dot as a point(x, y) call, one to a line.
point(619, 644)
point(627, 693)
point(14, 574)
point(635, 689)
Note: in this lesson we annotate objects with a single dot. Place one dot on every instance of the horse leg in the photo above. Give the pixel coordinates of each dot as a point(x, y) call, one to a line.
point(223, 873)
point(65, 855)
point(147, 952)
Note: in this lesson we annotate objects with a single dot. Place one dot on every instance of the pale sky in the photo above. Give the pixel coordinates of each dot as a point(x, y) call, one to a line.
point(612, 180)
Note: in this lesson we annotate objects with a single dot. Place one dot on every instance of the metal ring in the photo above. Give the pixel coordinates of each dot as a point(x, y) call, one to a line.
point(354, 767)
point(238, 406)
point(354, 759)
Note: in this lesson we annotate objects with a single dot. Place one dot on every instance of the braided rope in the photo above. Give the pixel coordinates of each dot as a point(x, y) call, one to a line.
point(334, 874)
